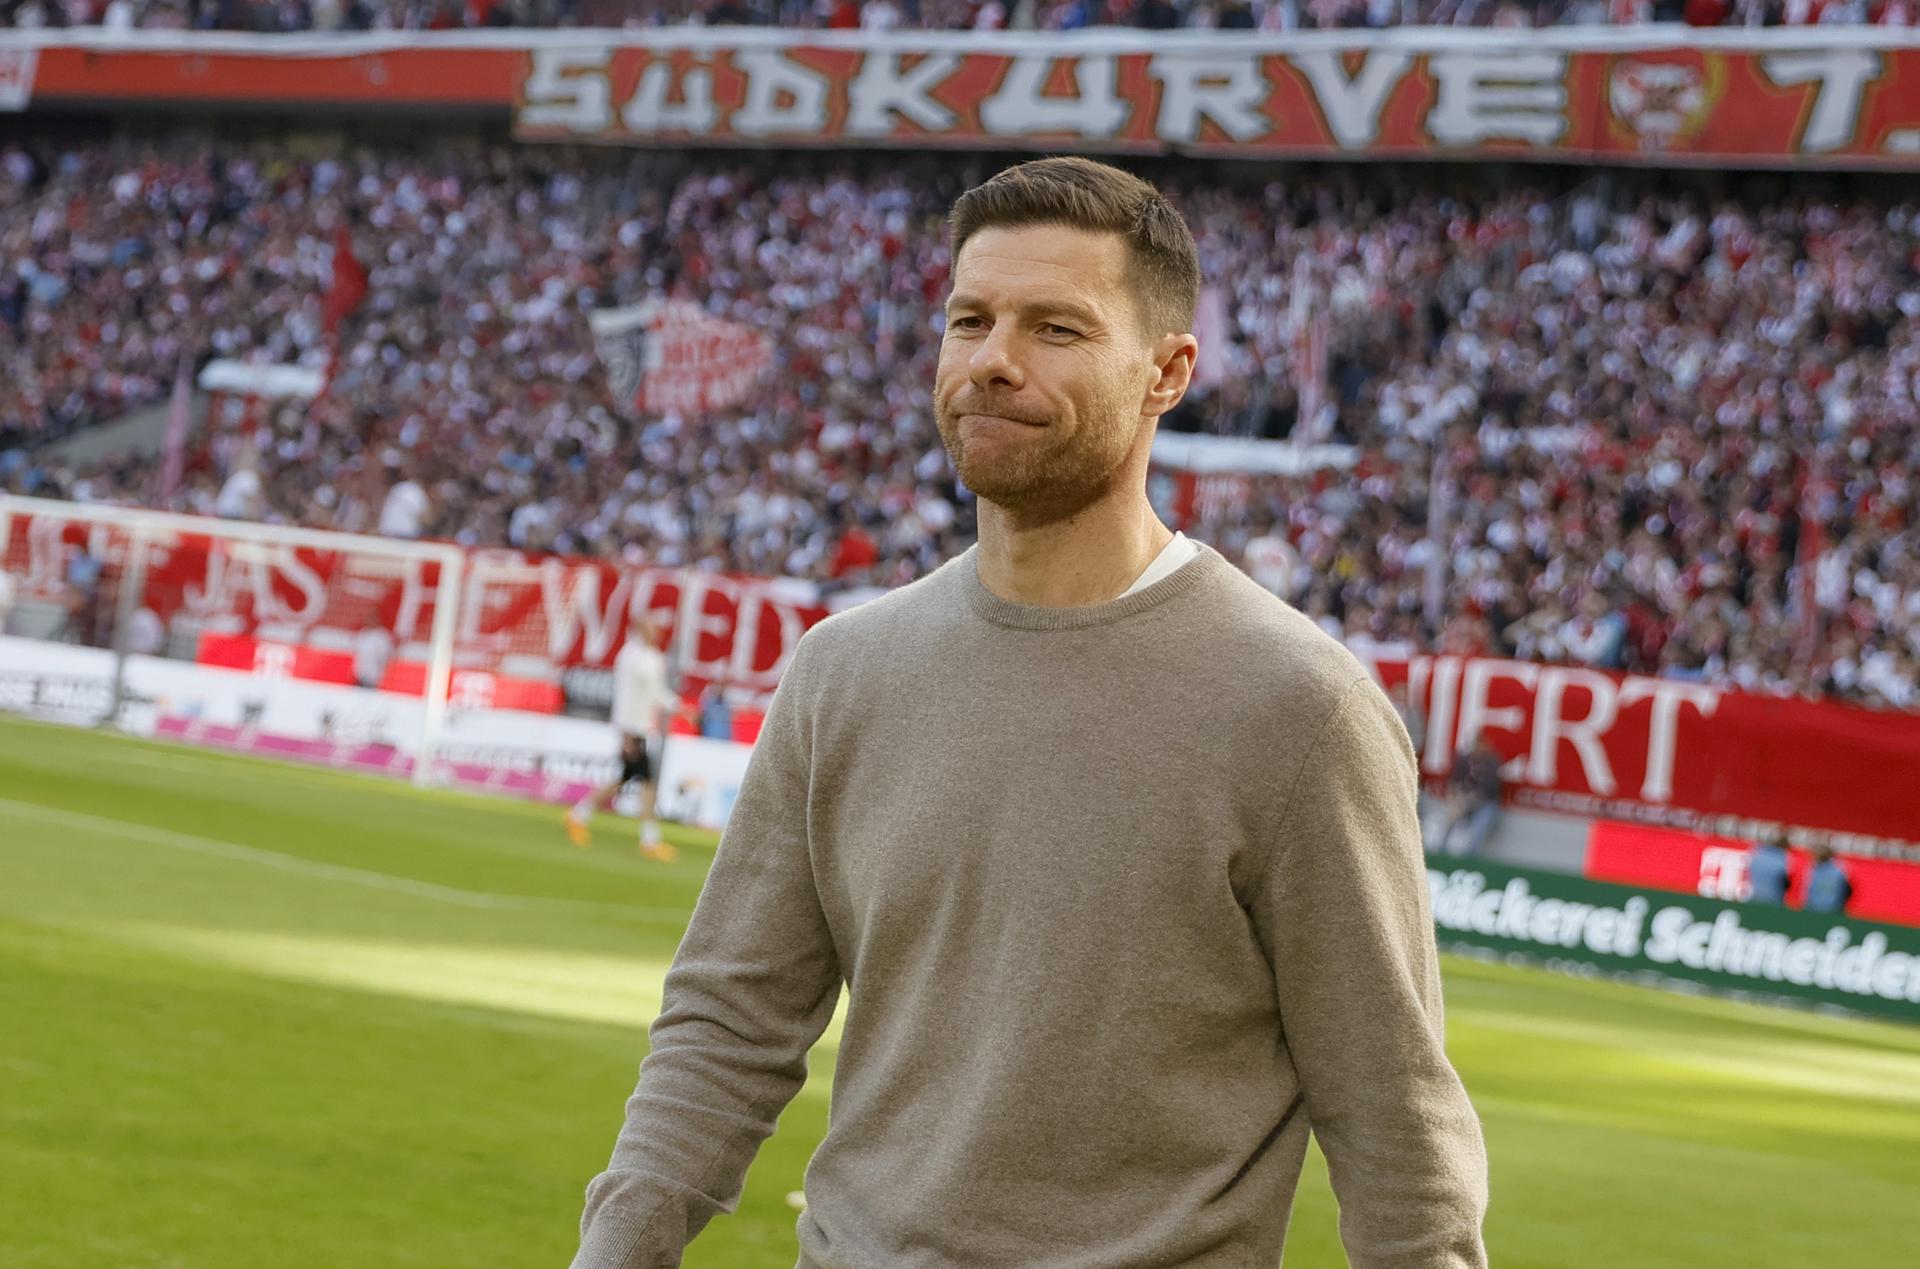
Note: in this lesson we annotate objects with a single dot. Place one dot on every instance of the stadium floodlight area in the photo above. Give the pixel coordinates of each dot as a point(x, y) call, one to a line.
point(239, 635)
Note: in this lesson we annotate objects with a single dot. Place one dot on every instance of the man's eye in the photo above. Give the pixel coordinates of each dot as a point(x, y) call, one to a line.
point(967, 323)
point(1054, 330)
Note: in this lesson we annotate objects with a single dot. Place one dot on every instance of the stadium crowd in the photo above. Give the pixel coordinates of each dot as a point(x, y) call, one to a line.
point(1646, 414)
point(935, 15)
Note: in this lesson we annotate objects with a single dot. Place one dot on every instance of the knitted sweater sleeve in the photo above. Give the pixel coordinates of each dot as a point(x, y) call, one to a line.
point(752, 987)
point(1344, 908)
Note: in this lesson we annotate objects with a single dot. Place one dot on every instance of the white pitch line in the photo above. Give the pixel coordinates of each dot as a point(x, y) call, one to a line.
point(332, 872)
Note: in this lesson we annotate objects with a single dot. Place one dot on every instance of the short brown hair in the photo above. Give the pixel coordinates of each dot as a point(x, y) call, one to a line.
point(1083, 194)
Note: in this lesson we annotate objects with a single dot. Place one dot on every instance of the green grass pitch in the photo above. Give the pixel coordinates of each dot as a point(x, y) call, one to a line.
point(259, 1015)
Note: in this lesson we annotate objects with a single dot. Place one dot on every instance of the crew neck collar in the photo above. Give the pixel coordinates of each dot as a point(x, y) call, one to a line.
point(1005, 612)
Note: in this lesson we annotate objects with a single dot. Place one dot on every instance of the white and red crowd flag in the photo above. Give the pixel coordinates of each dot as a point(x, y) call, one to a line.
point(672, 355)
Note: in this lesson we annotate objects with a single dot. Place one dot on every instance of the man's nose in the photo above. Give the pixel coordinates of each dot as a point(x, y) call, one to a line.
point(994, 364)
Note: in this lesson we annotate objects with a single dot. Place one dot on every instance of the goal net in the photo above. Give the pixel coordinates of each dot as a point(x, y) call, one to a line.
point(321, 646)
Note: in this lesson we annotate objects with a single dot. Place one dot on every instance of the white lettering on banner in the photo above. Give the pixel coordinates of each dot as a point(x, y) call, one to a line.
point(18, 692)
point(578, 612)
point(1538, 763)
point(696, 620)
point(1842, 75)
point(1477, 716)
point(1461, 901)
point(1675, 936)
point(1726, 946)
point(1497, 96)
point(1663, 728)
point(782, 95)
point(1020, 108)
point(1351, 104)
point(375, 577)
point(881, 90)
point(1417, 672)
point(58, 696)
point(1853, 968)
point(1228, 89)
point(45, 551)
point(250, 568)
point(1549, 728)
point(650, 111)
point(1896, 970)
point(567, 88)
point(754, 604)
point(212, 595)
point(488, 574)
point(414, 615)
point(1441, 713)
point(46, 564)
point(312, 587)
point(1829, 963)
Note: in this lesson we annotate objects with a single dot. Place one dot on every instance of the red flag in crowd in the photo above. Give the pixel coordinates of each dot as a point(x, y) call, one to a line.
point(349, 282)
point(343, 296)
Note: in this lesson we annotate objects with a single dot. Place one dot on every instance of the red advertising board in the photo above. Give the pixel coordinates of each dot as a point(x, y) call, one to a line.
point(477, 689)
point(468, 689)
point(79, 67)
point(1671, 751)
point(1822, 95)
point(1716, 867)
point(271, 659)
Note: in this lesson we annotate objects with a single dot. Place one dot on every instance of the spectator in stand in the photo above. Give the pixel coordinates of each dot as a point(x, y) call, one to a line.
point(1474, 794)
point(1828, 888)
point(406, 510)
point(1597, 637)
point(1767, 871)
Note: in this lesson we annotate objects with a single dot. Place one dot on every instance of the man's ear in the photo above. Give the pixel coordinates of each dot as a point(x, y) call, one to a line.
point(1174, 355)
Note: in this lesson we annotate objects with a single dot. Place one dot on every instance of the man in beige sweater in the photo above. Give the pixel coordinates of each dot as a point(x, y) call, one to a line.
point(1115, 853)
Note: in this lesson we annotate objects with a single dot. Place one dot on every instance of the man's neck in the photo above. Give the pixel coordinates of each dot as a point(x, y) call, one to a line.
point(1089, 558)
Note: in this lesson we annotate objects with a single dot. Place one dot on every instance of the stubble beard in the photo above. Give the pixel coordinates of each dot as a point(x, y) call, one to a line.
point(1052, 477)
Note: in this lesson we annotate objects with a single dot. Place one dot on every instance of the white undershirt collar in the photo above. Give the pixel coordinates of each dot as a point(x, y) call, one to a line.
point(1171, 557)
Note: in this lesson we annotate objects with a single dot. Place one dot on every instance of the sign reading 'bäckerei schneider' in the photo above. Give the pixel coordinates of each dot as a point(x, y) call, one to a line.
point(1731, 946)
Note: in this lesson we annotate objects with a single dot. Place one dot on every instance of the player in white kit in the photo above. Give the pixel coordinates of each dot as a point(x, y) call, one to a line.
point(643, 698)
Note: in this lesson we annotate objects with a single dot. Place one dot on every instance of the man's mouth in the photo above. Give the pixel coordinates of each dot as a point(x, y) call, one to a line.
point(985, 417)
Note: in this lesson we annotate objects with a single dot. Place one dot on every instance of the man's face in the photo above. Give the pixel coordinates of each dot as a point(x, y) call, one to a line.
point(1044, 368)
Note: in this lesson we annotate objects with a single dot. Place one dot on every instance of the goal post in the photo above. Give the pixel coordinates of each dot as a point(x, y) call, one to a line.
point(162, 623)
